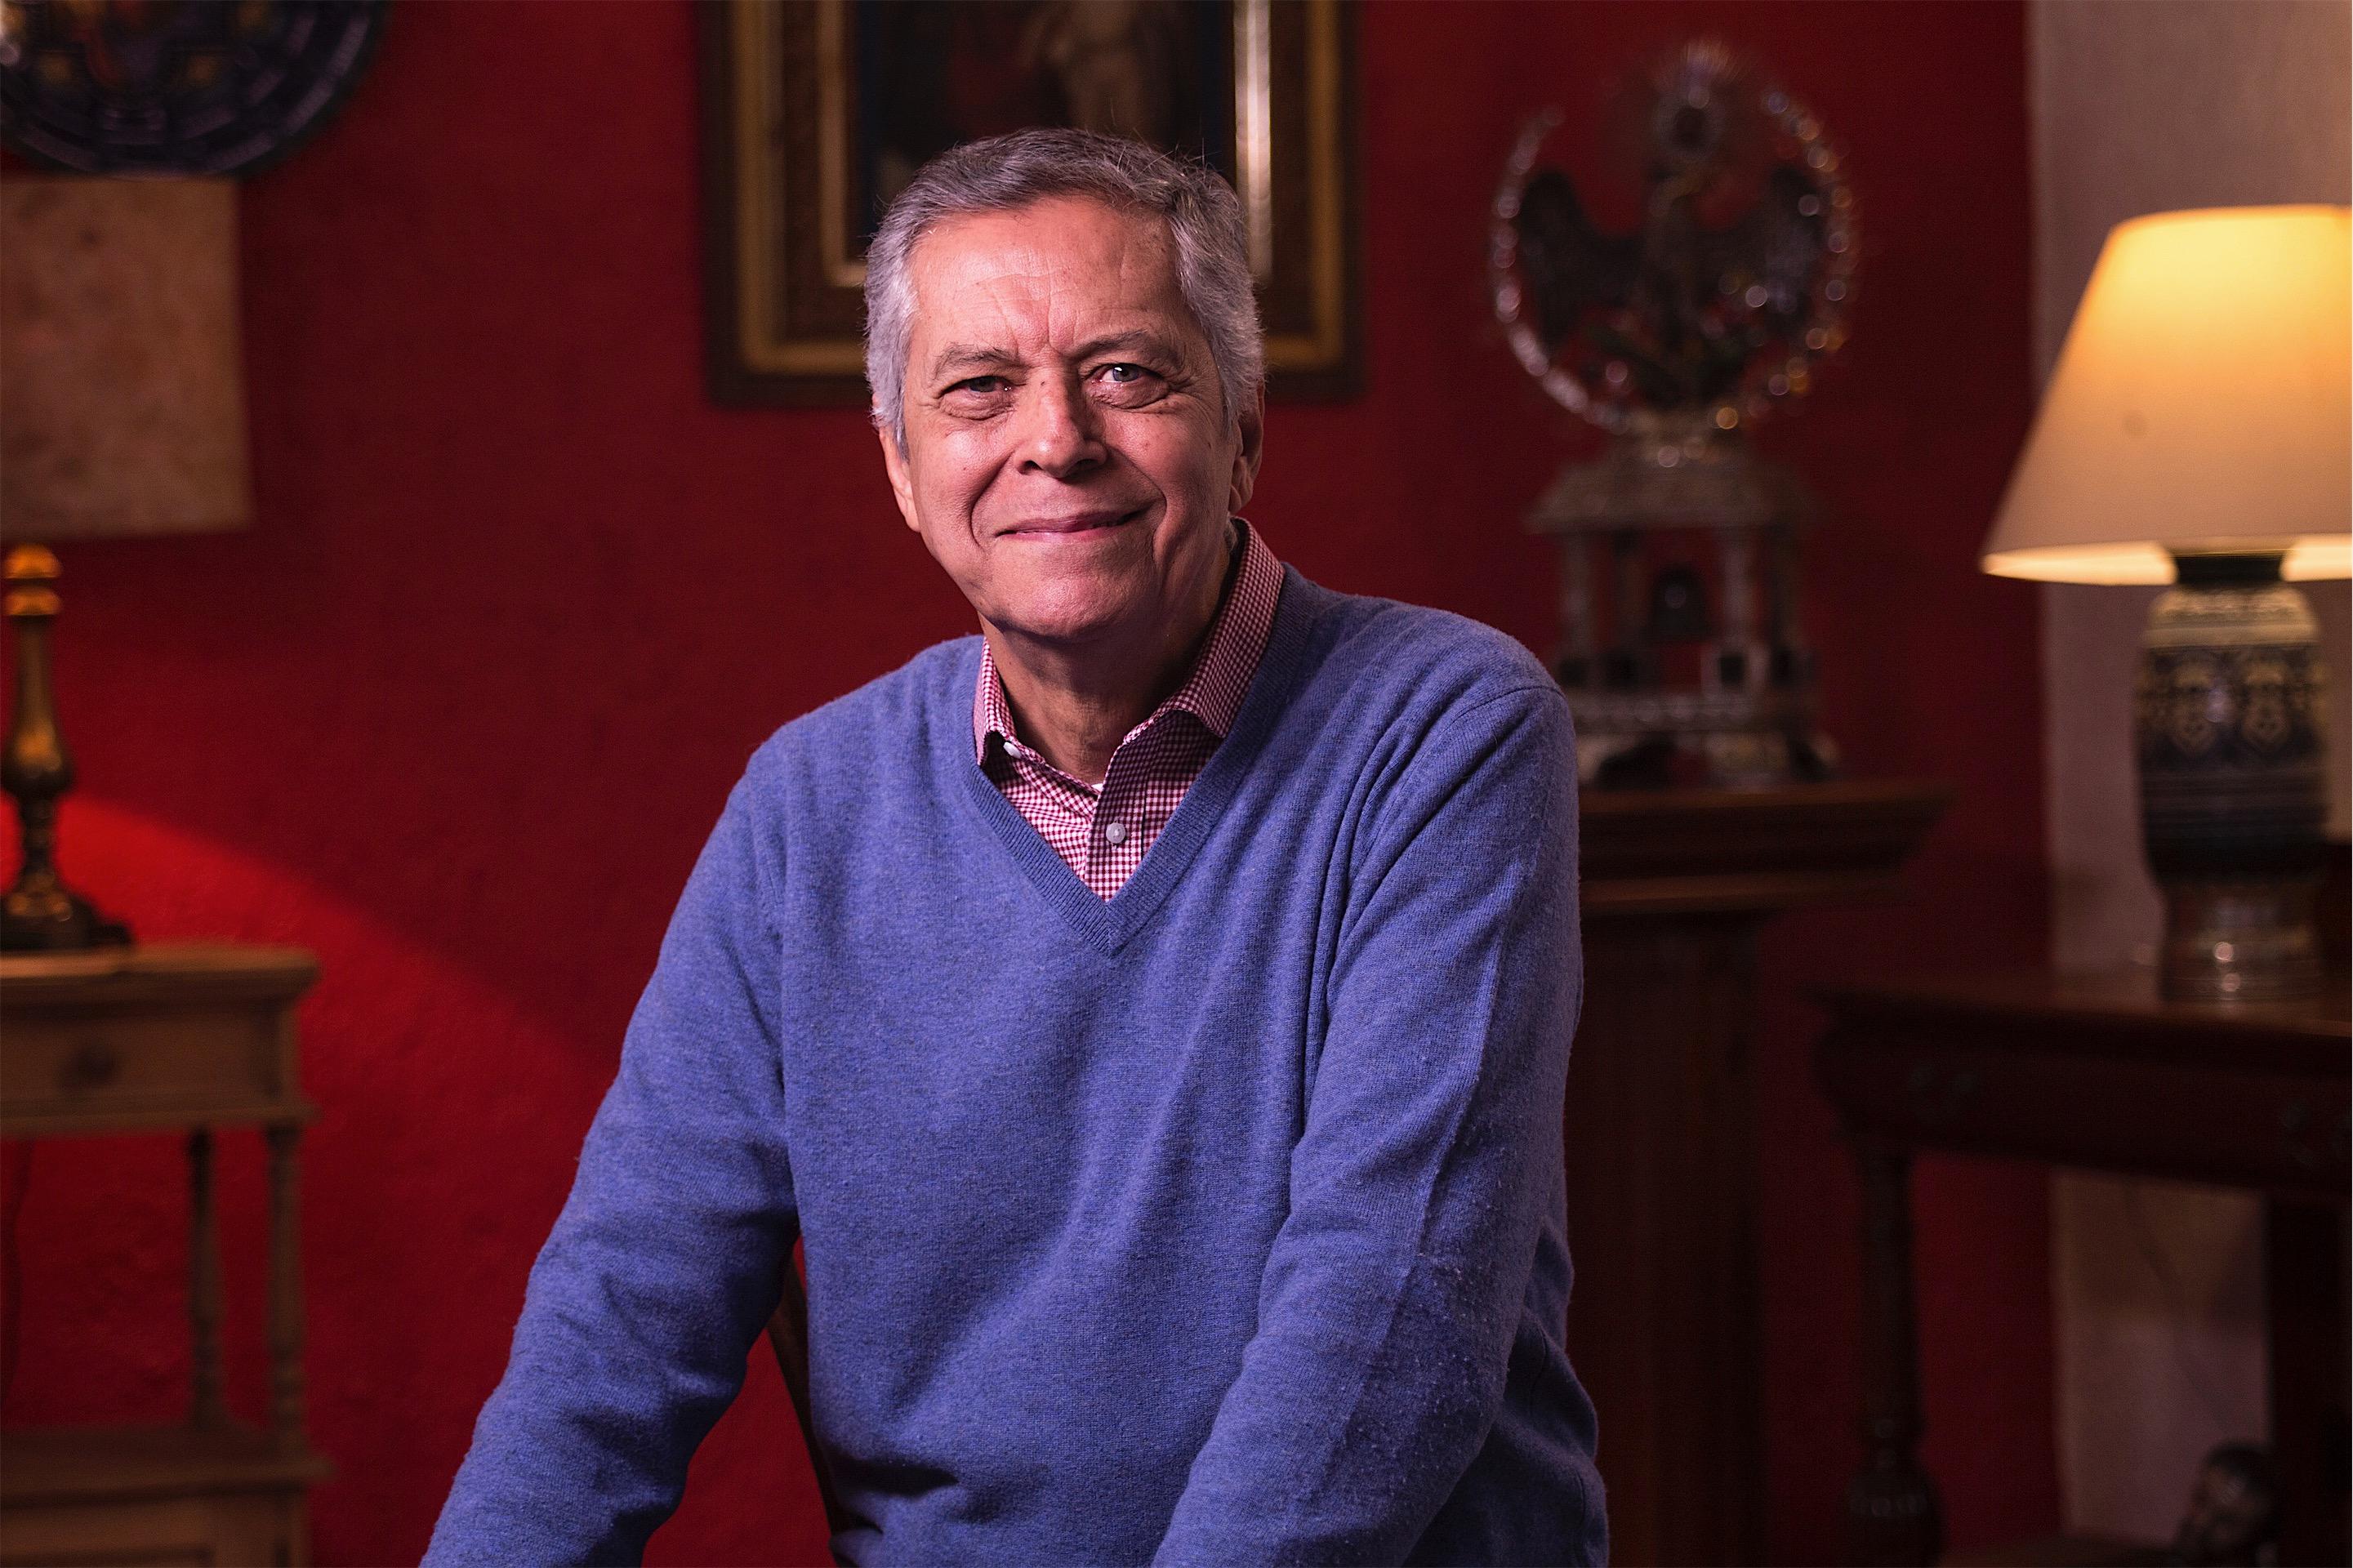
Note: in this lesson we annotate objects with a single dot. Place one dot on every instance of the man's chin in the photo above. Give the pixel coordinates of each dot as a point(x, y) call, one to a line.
point(1066, 619)
point(1070, 632)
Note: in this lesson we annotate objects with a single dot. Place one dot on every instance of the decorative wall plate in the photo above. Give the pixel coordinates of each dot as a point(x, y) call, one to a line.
point(201, 87)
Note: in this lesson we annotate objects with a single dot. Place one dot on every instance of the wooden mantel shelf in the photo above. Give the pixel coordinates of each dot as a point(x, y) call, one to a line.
point(1673, 852)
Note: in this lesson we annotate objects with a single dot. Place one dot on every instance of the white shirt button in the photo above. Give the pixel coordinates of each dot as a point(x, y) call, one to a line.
point(1116, 833)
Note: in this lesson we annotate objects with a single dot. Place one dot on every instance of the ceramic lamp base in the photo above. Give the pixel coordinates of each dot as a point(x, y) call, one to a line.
point(2241, 942)
point(2227, 722)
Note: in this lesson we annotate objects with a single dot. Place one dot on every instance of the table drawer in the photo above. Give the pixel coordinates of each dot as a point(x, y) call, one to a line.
point(98, 1068)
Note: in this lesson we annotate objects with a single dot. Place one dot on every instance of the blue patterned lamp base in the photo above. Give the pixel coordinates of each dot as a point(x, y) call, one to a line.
point(2227, 720)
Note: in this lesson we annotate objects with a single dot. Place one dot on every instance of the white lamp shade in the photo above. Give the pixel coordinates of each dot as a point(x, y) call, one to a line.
point(2201, 403)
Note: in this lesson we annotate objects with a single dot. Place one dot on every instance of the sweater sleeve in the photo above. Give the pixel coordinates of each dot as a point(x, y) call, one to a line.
point(667, 1258)
point(1430, 1157)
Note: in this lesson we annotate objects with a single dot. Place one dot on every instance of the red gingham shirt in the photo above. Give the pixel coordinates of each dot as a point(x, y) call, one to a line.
point(1104, 833)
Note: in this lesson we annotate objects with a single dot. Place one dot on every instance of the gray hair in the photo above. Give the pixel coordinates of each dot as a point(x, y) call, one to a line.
point(1003, 173)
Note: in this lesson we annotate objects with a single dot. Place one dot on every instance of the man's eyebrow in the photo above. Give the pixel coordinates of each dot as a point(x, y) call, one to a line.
point(967, 356)
point(1139, 340)
point(954, 358)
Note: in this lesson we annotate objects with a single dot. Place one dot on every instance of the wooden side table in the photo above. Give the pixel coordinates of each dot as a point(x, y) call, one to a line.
point(2099, 1073)
point(161, 1039)
point(1661, 1128)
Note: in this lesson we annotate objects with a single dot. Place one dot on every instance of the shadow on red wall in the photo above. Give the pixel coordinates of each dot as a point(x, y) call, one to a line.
point(459, 709)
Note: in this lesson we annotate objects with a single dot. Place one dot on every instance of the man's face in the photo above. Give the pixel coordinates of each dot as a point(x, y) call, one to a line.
point(1069, 461)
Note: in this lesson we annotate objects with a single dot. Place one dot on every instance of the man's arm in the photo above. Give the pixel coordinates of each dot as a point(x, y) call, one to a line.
point(667, 1258)
point(1431, 1152)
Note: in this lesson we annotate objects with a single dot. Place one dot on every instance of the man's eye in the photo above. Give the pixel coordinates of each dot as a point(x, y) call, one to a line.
point(1124, 373)
point(984, 385)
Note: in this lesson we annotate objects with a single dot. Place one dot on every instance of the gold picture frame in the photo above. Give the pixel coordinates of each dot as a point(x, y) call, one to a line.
point(797, 159)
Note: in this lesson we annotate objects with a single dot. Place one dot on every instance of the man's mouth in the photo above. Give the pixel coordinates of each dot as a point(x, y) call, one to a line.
point(1076, 522)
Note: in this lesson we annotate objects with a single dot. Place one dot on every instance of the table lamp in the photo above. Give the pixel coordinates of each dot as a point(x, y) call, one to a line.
point(2196, 433)
point(121, 413)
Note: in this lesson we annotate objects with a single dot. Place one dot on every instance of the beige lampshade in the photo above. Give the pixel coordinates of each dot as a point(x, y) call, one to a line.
point(121, 391)
point(2201, 403)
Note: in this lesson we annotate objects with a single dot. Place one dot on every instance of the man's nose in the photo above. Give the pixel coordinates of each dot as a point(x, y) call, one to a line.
point(1061, 429)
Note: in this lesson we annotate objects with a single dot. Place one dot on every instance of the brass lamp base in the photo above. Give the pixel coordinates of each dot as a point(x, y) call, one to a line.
point(2233, 802)
point(43, 915)
point(39, 913)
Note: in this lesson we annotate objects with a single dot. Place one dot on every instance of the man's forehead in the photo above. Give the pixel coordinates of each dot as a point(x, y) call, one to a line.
point(1083, 263)
point(1075, 227)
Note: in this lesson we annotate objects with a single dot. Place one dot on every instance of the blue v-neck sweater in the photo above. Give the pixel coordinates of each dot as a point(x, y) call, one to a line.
point(1217, 1223)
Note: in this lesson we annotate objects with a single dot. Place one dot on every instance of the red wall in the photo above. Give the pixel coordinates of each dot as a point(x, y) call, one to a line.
point(457, 711)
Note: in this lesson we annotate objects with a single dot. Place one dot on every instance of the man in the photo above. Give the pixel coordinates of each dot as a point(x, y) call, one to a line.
point(1153, 1013)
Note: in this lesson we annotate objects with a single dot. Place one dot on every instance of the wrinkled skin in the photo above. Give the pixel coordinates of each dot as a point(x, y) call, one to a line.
point(1069, 461)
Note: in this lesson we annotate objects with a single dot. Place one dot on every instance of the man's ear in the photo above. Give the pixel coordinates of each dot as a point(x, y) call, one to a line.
point(1252, 425)
point(902, 483)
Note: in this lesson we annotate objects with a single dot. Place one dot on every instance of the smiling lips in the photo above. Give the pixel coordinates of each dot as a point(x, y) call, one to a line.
point(1076, 522)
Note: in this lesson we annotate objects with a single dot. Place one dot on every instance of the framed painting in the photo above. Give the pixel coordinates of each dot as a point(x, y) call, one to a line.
point(817, 112)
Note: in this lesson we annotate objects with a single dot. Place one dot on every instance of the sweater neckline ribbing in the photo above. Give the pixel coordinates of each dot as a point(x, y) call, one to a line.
point(1111, 923)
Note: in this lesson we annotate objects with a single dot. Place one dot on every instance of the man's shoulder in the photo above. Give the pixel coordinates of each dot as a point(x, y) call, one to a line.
point(881, 724)
point(1410, 658)
point(1414, 714)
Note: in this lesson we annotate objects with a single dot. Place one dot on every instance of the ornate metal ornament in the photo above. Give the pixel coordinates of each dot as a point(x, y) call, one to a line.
point(1681, 651)
point(115, 87)
point(1735, 285)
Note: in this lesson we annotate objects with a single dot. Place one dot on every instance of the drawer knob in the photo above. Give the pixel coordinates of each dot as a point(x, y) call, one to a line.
point(92, 1065)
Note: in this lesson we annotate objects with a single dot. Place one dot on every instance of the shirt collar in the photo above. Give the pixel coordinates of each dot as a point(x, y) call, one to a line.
point(1212, 690)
